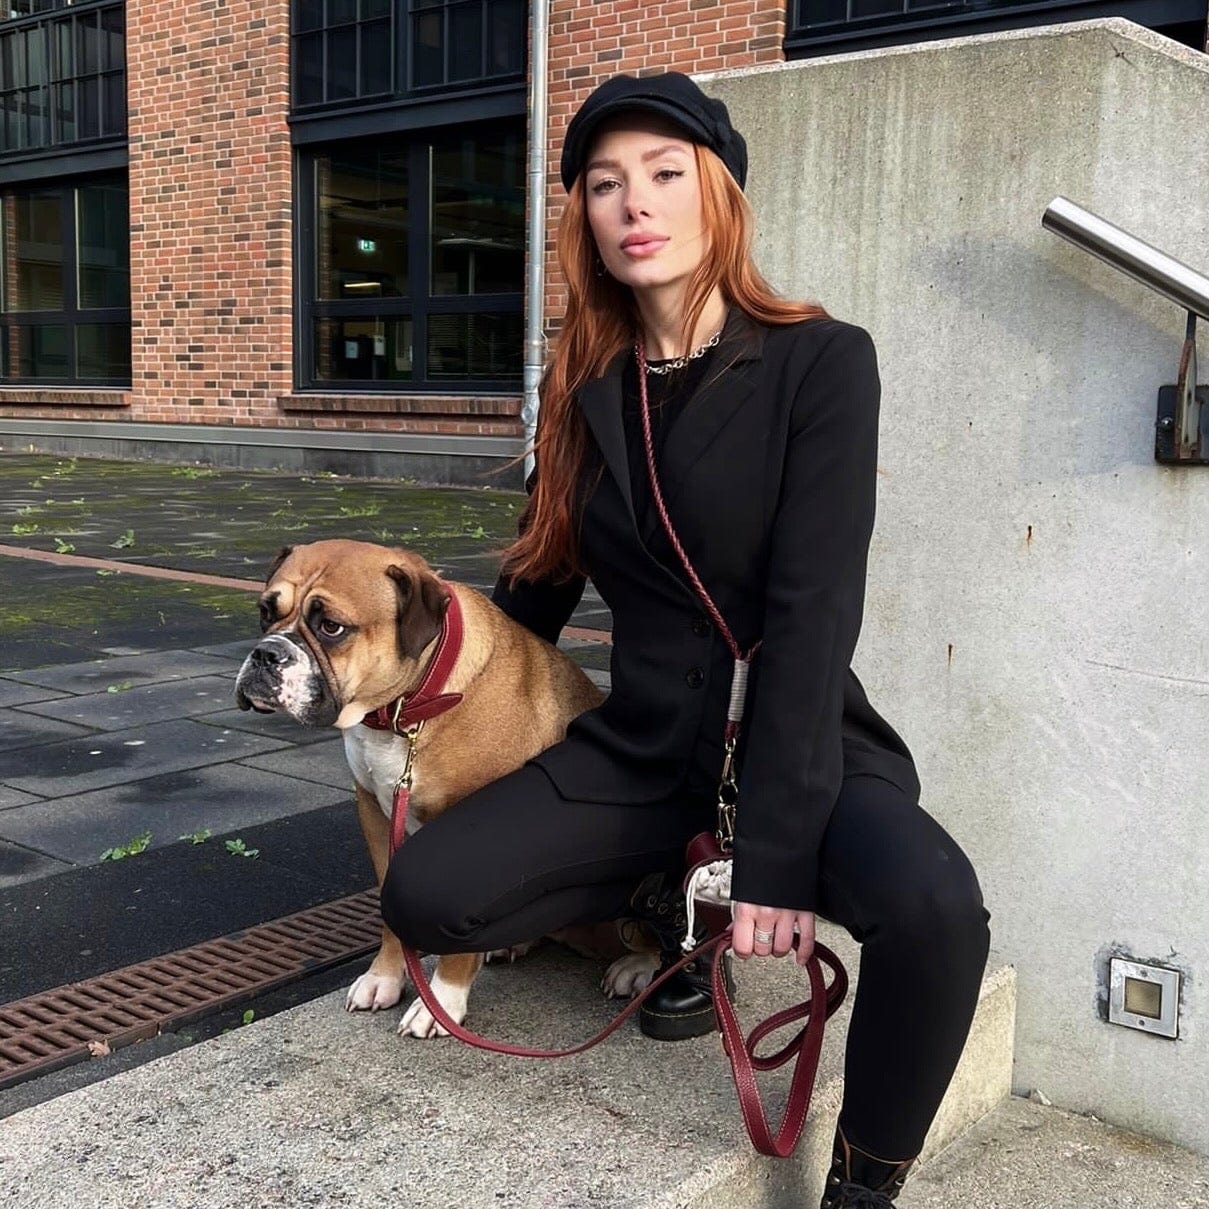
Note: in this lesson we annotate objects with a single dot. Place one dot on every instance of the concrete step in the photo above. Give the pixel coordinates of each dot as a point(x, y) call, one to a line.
point(314, 1107)
point(1026, 1156)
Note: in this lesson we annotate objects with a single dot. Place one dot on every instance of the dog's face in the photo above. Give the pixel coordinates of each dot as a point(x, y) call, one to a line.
point(345, 624)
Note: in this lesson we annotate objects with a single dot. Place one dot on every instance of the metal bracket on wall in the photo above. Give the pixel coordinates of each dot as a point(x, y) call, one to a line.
point(1182, 427)
point(1181, 431)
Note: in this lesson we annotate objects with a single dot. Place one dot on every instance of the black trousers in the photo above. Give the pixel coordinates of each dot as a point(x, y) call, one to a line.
point(515, 861)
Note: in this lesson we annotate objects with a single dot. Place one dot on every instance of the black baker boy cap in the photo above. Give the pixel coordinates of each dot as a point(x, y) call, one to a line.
point(673, 96)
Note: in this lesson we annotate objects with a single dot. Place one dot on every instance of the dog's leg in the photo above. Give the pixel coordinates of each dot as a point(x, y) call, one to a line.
point(381, 986)
point(451, 985)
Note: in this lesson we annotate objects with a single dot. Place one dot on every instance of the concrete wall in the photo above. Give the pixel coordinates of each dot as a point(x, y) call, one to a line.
point(1037, 596)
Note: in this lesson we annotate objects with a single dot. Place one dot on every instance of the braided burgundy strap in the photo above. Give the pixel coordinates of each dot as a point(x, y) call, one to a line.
point(707, 601)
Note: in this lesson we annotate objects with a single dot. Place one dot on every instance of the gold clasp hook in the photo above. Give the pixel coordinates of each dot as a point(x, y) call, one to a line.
point(411, 734)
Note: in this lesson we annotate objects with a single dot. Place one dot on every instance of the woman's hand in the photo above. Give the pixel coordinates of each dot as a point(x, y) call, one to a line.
point(779, 923)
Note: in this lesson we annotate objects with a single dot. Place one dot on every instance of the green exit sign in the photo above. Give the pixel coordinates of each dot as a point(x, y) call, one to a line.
point(367, 245)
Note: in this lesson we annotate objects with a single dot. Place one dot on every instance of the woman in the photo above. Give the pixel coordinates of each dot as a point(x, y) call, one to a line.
point(764, 433)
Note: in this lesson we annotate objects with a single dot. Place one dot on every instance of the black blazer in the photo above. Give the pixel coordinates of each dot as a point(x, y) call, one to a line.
point(769, 475)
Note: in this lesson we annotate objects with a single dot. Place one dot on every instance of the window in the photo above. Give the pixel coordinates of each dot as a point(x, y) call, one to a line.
point(455, 40)
point(350, 52)
point(65, 288)
point(414, 274)
point(822, 26)
point(62, 77)
point(342, 50)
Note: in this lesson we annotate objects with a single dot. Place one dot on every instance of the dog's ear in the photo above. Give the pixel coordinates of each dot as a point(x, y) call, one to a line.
point(275, 566)
point(423, 600)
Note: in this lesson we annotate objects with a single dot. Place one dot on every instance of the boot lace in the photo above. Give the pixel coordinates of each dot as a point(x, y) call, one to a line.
point(857, 1196)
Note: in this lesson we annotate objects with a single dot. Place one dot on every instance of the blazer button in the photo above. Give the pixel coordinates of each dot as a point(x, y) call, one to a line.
point(695, 678)
point(701, 627)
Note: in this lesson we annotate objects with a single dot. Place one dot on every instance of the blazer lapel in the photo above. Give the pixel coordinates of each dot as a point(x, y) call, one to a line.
point(717, 402)
point(600, 400)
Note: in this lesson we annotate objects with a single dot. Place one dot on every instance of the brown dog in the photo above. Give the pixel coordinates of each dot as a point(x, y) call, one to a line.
point(351, 627)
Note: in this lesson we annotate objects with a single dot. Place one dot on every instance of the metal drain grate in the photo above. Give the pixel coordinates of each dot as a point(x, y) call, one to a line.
point(59, 1027)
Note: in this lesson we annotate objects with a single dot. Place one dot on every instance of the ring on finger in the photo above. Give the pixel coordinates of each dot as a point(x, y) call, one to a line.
point(761, 937)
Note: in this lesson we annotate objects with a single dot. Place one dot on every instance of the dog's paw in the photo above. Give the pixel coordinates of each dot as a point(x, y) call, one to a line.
point(629, 974)
point(373, 992)
point(511, 953)
point(418, 1020)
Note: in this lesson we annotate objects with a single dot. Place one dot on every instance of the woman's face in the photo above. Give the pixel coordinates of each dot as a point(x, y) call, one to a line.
point(643, 200)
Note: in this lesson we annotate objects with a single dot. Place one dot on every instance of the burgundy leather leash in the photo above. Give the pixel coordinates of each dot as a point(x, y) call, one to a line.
point(824, 999)
point(807, 1044)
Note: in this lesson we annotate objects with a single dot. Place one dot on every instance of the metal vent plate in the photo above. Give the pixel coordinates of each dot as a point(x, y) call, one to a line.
point(57, 1028)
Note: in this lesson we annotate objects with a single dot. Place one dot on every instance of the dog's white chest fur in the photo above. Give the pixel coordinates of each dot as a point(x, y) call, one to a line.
point(377, 758)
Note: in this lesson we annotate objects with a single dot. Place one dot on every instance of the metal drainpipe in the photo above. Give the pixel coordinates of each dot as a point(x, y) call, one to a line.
point(535, 337)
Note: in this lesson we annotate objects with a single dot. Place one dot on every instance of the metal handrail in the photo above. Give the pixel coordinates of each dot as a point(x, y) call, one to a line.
point(1176, 282)
point(1132, 256)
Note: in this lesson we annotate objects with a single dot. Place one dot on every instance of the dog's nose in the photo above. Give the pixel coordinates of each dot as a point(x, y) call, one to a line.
point(269, 655)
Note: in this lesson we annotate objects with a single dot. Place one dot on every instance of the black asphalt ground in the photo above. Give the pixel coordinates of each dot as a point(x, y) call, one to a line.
point(117, 717)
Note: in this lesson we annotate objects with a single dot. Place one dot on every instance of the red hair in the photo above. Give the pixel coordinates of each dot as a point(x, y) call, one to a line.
point(602, 319)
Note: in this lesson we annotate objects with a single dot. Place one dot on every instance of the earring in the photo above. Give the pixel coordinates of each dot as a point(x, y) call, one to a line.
point(599, 266)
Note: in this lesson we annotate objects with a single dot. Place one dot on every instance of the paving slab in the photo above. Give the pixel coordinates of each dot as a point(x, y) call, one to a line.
point(19, 729)
point(18, 864)
point(141, 704)
point(128, 670)
point(62, 614)
point(323, 763)
point(96, 918)
point(233, 522)
point(14, 797)
point(1027, 1155)
point(592, 617)
point(597, 656)
point(75, 766)
point(13, 692)
point(274, 726)
point(238, 650)
point(219, 799)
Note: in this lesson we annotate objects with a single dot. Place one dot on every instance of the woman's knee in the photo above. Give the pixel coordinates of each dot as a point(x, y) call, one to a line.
point(422, 904)
point(944, 910)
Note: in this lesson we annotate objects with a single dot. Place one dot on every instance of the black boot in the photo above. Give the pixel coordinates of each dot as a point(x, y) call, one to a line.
point(860, 1181)
point(684, 1006)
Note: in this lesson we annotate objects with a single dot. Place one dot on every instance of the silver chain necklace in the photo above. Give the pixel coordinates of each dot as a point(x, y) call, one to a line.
point(666, 367)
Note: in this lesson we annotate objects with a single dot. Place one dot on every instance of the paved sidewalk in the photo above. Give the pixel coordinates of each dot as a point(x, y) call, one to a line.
point(116, 719)
point(117, 714)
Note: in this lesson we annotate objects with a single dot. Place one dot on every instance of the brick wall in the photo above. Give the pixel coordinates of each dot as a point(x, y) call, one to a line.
point(210, 210)
point(211, 198)
point(591, 40)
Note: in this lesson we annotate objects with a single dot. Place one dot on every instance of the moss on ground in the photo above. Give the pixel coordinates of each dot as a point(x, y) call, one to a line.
point(69, 614)
point(233, 522)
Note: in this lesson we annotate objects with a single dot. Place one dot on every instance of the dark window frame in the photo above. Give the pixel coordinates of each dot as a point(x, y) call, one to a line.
point(416, 9)
point(418, 305)
point(72, 316)
point(970, 17)
point(52, 87)
point(402, 16)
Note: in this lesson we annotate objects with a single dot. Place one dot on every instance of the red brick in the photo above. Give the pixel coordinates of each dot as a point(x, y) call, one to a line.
point(211, 202)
